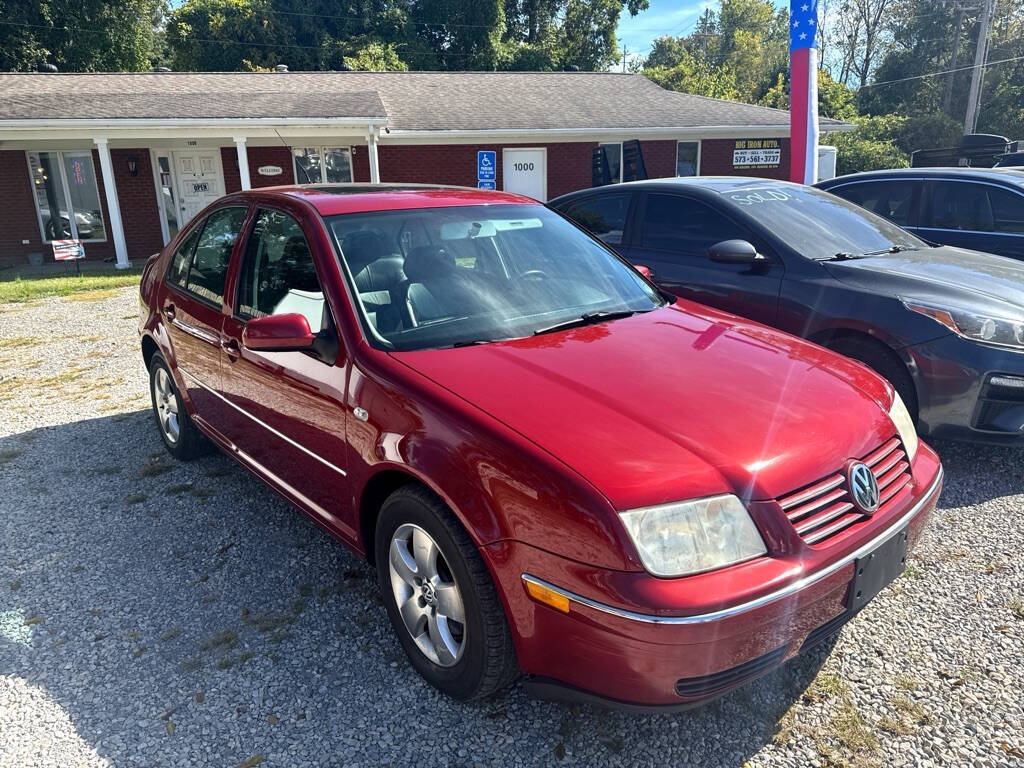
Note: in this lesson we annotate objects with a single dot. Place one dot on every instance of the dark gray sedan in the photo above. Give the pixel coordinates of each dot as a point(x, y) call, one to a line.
point(945, 325)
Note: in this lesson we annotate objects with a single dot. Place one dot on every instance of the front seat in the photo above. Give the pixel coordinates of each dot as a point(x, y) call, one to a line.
point(377, 274)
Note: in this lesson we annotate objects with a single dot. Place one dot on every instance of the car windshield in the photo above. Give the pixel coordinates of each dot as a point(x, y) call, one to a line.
point(441, 277)
point(819, 225)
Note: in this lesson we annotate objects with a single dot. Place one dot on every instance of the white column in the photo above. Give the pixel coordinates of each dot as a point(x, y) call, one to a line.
point(371, 148)
point(113, 207)
point(243, 162)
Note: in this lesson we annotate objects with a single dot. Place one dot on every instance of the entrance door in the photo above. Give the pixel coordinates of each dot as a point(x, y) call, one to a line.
point(200, 181)
point(525, 172)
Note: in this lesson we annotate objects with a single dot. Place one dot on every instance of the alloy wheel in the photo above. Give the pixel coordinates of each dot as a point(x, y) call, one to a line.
point(166, 405)
point(428, 599)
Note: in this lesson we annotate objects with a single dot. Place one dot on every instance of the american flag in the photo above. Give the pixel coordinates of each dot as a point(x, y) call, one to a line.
point(803, 91)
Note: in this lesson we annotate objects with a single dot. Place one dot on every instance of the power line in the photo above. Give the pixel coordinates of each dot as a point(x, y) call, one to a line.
point(942, 72)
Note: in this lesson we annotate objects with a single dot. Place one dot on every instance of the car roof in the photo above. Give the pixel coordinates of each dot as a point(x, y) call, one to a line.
point(1009, 175)
point(718, 184)
point(333, 199)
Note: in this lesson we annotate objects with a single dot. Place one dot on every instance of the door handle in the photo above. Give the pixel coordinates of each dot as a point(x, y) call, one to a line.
point(169, 312)
point(230, 347)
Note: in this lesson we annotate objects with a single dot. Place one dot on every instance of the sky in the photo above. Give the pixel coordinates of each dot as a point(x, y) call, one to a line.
point(663, 17)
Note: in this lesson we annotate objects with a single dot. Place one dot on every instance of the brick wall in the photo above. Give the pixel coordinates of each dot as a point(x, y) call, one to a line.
point(279, 156)
point(716, 160)
point(136, 196)
point(19, 212)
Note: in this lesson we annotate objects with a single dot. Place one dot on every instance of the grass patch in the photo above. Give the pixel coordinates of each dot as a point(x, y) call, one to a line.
point(100, 295)
point(154, 469)
point(1016, 606)
point(8, 455)
point(906, 682)
point(108, 470)
point(911, 709)
point(135, 498)
point(223, 639)
point(21, 289)
point(16, 342)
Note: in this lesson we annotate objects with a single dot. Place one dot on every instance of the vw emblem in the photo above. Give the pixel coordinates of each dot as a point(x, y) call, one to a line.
point(863, 487)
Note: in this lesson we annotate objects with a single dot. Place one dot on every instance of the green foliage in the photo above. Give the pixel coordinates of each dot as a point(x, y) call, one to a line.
point(835, 100)
point(76, 35)
point(871, 146)
point(376, 57)
point(697, 76)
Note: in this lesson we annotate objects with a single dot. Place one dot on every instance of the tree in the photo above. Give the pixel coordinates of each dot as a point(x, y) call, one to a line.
point(76, 35)
point(835, 100)
point(868, 147)
point(696, 76)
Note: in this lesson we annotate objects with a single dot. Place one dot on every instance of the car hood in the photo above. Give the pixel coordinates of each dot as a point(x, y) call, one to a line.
point(676, 403)
point(939, 273)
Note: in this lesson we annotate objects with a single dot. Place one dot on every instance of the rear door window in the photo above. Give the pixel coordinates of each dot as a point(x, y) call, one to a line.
point(974, 207)
point(1007, 210)
point(602, 215)
point(209, 268)
point(178, 271)
point(893, 199)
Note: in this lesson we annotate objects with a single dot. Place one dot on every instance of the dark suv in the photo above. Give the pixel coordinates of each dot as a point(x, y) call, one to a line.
point(977, 208)
point(945, 325)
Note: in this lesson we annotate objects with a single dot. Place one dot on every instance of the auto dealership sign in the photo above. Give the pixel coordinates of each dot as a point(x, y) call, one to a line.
point(757, 153)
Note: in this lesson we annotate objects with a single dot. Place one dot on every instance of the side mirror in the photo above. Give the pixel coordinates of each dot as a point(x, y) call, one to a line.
point(278, 333)
point(735, 252)
point(645, 271)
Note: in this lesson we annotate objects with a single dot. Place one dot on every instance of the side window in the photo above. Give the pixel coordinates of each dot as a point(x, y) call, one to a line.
point(209, 267)
point(893, 200)
point(1007, 210)
point(602, 215)
point(674, 223)
point(278, 276)
point(178, 270)
point(961, 205)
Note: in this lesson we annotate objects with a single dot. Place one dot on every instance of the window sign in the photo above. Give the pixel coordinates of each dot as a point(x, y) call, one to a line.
point(486, 163)
point(757, 153)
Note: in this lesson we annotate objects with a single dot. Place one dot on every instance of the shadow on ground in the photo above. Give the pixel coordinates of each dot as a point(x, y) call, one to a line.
point(182, 614)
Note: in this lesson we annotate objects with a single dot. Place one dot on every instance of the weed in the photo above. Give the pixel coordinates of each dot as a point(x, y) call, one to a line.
point(135, 498)
point(170, 634)
point(8, 455)
point(223, 639)
point(155, 469)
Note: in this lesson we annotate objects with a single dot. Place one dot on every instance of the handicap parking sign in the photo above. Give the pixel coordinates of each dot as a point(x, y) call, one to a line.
point(486, 161)
point(484, 184)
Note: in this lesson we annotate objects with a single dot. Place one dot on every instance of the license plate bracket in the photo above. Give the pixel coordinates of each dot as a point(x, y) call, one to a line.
point(877, 569)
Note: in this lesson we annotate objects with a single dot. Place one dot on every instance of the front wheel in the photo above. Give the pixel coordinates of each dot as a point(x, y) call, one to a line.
point(440, 597)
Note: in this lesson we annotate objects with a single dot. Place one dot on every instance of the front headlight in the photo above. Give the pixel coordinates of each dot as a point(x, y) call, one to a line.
point(904, 425)
point(693, 536)
point(1002, 331)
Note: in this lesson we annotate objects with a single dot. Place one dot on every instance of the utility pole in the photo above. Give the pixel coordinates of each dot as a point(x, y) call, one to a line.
point(978, 73)
point(624, 52)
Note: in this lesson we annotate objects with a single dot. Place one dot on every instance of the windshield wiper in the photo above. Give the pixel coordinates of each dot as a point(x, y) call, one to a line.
point(892, 249)
point(589, 318)
point(841, 256)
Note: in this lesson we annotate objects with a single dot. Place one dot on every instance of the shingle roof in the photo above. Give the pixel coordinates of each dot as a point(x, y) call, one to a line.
point(411, 101)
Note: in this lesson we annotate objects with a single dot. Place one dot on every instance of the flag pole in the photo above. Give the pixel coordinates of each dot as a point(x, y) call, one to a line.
point(803, 91)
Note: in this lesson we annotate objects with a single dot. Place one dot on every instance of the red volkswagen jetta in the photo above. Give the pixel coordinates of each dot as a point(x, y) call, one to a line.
point(556, 469)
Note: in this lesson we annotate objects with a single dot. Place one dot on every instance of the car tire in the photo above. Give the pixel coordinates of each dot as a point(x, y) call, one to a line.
point(885, 363)
point(432, 590)
point(181, 437)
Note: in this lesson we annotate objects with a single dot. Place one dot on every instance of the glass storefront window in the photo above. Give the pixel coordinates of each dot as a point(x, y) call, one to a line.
point(687, 153)
point(67, 196)
point(323, 164)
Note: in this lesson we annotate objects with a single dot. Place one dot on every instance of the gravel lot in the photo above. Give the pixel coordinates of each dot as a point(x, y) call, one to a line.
point(155, 613)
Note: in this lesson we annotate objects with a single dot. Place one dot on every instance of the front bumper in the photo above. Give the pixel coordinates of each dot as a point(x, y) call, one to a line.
point(632, 659)
point(957, 397)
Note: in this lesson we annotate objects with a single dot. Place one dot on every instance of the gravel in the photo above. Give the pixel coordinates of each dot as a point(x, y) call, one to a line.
point(155, 613)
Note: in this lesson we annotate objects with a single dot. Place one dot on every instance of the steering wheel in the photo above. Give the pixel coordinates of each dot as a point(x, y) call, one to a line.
point(534, 274)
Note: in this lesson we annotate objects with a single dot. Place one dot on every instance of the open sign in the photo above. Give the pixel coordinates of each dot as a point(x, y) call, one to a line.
point(200, 186)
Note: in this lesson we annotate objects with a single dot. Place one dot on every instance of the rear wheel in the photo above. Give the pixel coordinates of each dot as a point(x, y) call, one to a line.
point(440, 597)
point(884, 362)
point(179, 434)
